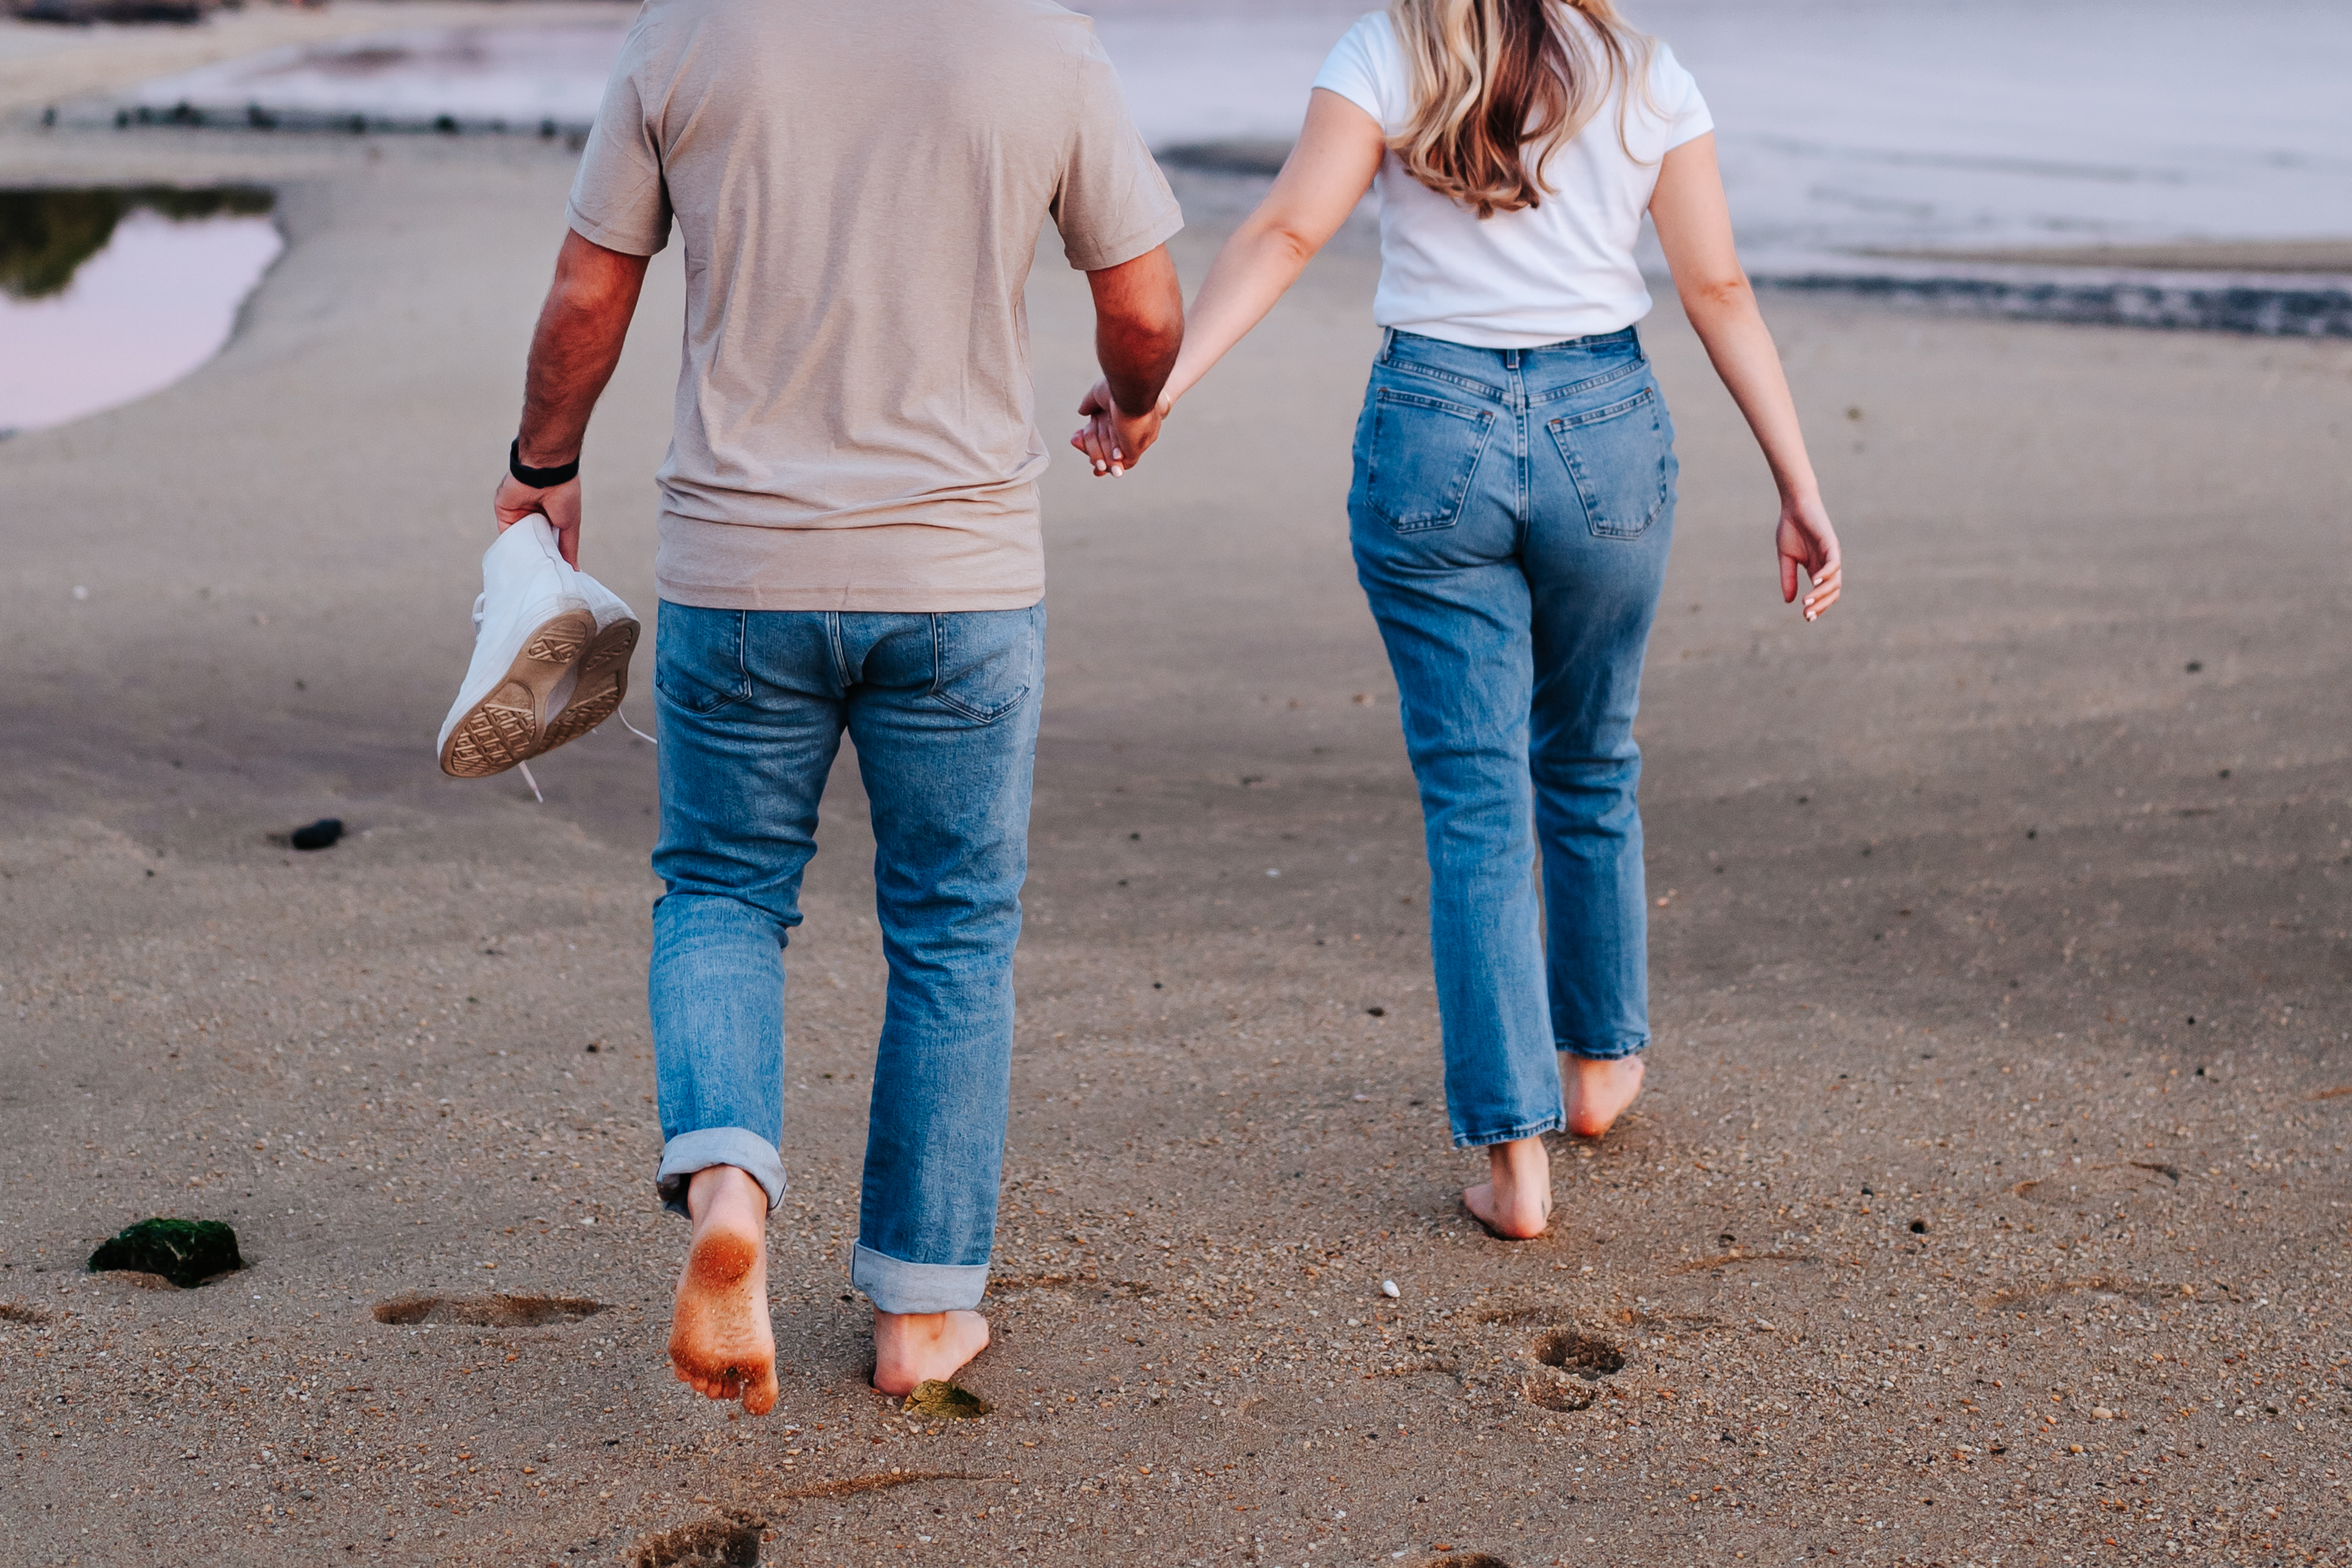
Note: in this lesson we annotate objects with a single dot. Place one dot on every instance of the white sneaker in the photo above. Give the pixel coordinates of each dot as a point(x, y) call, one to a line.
point(603, 677)
point(530, 626)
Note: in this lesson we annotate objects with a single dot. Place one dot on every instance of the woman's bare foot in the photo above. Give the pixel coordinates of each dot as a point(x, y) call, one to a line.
point(1514, 1201)
point(1598, 1091)
point(911, 1348)
point(719, 1339)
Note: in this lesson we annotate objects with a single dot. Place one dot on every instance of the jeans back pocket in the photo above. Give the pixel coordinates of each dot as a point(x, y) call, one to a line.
point(1621, 460)
point(699, 657)
point(1419, 457)
point(984, 662)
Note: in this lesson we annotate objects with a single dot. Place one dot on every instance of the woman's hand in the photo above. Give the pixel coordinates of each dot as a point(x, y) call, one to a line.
point(1111, 440)
point(1807, 539)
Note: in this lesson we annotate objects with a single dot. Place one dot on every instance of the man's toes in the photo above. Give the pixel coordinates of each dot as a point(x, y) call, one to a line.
point(760, 1397)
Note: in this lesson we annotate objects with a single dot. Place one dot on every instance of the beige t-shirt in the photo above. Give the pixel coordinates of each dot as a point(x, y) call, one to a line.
point(860, 184)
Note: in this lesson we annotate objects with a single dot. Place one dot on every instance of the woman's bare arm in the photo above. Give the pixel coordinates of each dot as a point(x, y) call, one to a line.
point(1694, 226)
point(1338, 152)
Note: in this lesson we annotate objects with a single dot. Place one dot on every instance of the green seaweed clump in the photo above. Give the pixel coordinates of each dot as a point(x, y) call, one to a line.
point(185, 1251)
point(944, 1401)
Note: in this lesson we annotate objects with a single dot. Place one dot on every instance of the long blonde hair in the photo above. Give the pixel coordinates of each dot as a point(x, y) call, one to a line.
point(1500, 85)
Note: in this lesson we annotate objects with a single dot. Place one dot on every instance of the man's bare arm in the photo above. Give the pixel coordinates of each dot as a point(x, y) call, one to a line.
point(581, 331)
point(1139, 329)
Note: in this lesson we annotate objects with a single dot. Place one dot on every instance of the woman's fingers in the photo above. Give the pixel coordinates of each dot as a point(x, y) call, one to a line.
point(1099, 442)
point(1807, 542)
point(1827, 585)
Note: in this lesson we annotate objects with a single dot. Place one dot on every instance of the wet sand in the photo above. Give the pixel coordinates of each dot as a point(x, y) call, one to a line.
point(1942, 1235)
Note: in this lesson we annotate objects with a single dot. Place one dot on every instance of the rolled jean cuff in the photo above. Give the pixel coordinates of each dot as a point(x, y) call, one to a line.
point(894, 1285)
point(688, 1153)
point(1535, 1128)
point(1607, 1051)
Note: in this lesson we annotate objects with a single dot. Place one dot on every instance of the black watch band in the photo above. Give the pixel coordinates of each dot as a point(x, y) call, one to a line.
point(540, 478)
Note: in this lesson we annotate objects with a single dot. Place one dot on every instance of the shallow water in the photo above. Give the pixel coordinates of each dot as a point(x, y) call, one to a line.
point(108, 295)
point(1864, 123)
point(1844, 124)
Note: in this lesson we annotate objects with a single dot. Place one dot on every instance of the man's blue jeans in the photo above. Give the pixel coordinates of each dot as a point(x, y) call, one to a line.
point(943, 711)
point(1510, 513)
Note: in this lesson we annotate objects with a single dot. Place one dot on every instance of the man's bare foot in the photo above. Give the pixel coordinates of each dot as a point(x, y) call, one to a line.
point(1598, 1091)
point(1514, 1201)
point(911, 1348)
point(719, 1339)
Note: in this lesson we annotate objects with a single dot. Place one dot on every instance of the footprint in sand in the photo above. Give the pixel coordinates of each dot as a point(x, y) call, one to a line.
point(730, 1539)
point(1573, 1365)
point(487, 1311)
point(1468, 1559)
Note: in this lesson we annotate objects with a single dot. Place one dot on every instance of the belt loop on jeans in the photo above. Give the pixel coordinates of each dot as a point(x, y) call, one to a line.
point(1388, 342)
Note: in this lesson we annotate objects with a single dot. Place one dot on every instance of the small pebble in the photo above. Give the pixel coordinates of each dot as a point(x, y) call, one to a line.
point(1389, 1288)
point(320, 835)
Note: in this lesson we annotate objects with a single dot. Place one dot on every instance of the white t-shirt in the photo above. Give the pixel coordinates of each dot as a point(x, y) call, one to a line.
point(1518, 279)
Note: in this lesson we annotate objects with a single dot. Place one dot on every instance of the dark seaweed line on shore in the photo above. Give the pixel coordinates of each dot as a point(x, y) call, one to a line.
point(2313, 310)
point(257, 117)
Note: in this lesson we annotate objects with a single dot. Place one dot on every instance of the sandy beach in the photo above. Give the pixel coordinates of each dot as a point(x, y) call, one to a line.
point(1987, 1202)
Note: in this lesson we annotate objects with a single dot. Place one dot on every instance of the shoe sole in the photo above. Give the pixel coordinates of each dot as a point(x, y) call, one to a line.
point(503, 727)
point(603, 682)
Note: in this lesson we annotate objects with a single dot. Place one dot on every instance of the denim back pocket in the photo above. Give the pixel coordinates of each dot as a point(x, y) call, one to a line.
point(698, 657)
point(1621, 460)
point(1420, 456)
point(986, 661)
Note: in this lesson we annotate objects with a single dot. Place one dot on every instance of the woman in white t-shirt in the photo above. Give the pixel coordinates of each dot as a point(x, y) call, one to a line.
point(1513, 500)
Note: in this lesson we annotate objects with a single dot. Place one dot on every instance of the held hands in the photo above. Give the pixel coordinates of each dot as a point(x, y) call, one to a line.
point(1112, 440)
point(561, 506)
point(1806, 539)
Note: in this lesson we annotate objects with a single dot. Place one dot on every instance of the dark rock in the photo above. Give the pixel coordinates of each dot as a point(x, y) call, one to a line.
point(320, 835)
point(184, 1251)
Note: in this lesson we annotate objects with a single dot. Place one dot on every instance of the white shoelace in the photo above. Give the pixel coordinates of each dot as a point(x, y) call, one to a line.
point(525, 767)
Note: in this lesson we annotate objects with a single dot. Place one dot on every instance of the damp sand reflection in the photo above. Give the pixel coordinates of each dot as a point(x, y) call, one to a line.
point(110, 294)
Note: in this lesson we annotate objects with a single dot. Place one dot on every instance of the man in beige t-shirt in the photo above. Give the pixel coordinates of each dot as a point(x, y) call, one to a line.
point(849, 542)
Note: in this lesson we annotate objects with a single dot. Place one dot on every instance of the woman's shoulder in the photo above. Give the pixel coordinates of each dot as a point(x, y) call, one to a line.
point(1373, 38)
point(1367, 67)
point(1673, 95)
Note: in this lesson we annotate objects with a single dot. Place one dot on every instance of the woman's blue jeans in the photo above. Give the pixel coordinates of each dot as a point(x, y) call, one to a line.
point(1511, 512)
point(943, 711)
